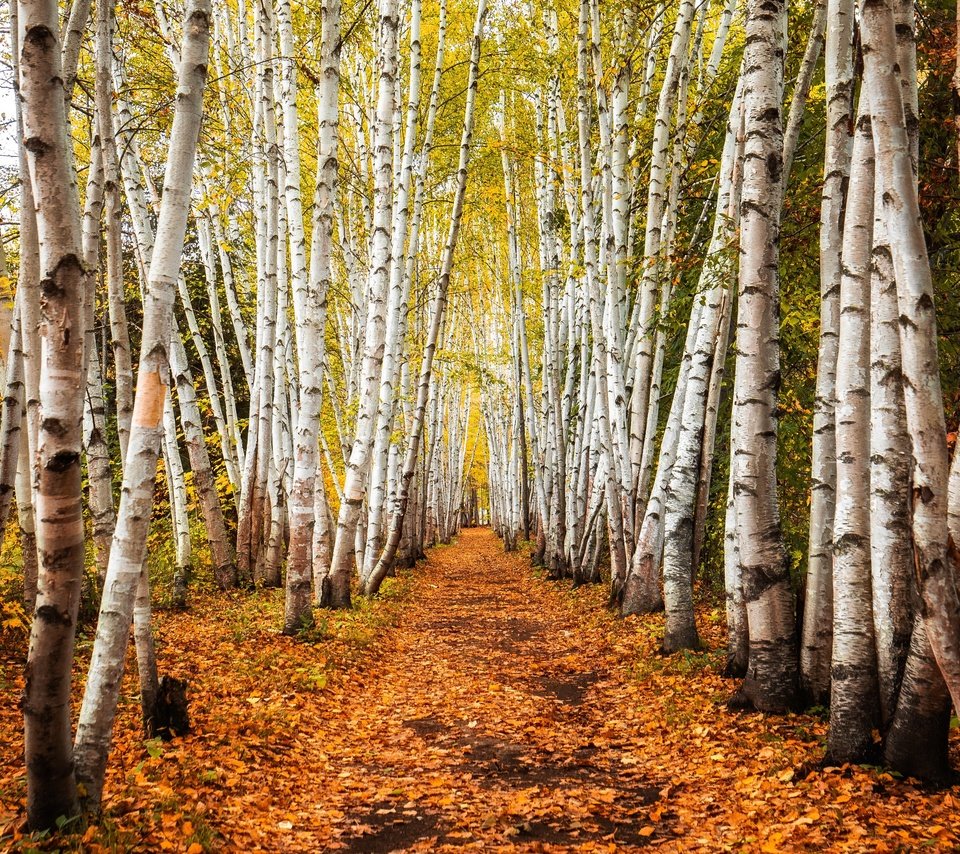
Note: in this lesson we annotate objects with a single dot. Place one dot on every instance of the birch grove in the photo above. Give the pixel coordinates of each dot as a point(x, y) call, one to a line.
point(659, 292)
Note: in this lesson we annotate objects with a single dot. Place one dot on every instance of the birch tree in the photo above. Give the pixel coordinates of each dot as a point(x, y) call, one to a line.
point(51, 784)
point(935, 560)
point(343, 561)
point(853, 694)
point(770, 683)
point(437, 310)
point(127, 552)
point(310, 315)
point(817, 635)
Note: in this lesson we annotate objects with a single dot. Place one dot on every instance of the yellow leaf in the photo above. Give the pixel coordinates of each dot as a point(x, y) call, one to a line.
point(646, 831)
point(195, 848)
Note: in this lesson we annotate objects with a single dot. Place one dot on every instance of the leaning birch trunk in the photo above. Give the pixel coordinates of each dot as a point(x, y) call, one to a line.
point(385, 562)
point(119, 334)
point(891, 537)
point(936, 557)
point(310, 318)
point(770, 683)
point(342, 563)
point(28, 299)
point(136, 499)
point(917, 739)
point(817, 634)
point(853, 687)
point(397, 300)
point(221, 549)
point(679, 505)
point(51, 783)
point(642, 349)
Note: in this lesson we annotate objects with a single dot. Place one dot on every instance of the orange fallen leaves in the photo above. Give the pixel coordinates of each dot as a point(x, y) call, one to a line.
point(502, 712)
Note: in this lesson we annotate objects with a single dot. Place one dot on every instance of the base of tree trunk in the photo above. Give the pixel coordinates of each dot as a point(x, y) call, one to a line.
point(918, 748)
point(679, 639)
point(640, 596)
point(735, 668)
point(335, 593)
point(178, 590)
point(226, 576)
point(771, 681)
point(851, 727)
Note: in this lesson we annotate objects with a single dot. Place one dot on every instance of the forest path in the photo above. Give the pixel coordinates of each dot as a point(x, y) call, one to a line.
point(485, 723)
point(504, 712)
point(477, 706)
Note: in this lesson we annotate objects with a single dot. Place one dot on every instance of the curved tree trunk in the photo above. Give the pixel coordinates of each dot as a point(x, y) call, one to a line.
point(385, 562)
point(936, 557)
point(136, 501)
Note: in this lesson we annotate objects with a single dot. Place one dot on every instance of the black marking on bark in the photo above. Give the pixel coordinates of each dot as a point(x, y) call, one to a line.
point(50, 615)
point(62, 461)
point(54, 427)
point(841, 672)
point(36, 146)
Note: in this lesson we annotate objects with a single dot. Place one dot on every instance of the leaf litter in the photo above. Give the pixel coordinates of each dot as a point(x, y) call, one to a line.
point(474, 705)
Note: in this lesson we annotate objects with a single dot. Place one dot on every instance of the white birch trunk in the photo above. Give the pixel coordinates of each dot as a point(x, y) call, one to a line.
point(770, 683)
point(342, 564)
point(385, 561)
point(127, 552)
point(51, 784)
point(853, 690)
point(936, 558)
point(308, 557)
point(817, 635)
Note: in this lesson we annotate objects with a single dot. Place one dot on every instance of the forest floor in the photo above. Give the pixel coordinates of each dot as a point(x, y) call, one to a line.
point(476, 706)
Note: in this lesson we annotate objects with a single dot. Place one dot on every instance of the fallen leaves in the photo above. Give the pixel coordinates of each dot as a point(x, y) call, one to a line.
point(502, 712)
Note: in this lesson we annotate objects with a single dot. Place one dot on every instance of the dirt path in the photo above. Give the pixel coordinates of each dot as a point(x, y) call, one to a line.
point(484, 722)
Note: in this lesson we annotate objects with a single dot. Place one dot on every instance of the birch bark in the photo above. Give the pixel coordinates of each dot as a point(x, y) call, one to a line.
point(936, 558)
point(385, 562)
point(342, 563)
point(310, 316)
point(129, 543)
point(51, 784)
point(817, 633)
point(853, 690)
point(770, 683)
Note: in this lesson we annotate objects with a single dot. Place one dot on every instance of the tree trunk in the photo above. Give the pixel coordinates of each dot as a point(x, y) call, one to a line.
point(817, 634)
point(129, 543)
point(385, 561)
point(770, 683)
point(853, 690)
point(51, 784)
point(343, 561)
point(936, 557)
